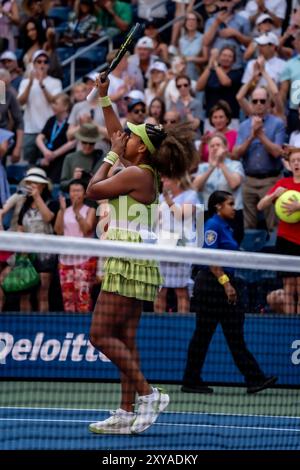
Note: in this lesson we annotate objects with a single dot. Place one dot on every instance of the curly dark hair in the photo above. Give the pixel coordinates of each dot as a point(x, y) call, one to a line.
point(176, 153)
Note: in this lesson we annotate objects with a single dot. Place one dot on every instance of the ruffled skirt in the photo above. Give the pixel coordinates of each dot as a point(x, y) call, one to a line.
point(131, 277)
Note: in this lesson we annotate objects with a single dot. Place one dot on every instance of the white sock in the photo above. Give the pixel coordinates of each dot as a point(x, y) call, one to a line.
point(124, 412)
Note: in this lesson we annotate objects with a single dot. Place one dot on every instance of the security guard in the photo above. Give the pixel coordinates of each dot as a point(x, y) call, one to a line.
point(217, 301)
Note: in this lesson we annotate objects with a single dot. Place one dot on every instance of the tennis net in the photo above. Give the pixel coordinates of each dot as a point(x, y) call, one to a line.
point(229, 365)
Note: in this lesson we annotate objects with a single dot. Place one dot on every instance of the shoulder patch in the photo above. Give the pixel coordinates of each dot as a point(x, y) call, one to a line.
point(210, 237)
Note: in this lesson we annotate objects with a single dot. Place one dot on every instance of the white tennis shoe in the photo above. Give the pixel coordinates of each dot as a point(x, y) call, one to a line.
point(119, 423)
point(148, 409)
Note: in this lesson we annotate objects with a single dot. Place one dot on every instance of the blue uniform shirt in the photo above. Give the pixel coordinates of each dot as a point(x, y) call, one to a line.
point(219, 235)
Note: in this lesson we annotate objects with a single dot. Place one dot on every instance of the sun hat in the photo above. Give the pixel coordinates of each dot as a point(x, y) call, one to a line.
point(37, 175)
point(88, 132)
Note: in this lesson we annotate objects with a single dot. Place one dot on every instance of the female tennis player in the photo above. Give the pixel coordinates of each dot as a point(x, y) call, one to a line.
point(145, 153)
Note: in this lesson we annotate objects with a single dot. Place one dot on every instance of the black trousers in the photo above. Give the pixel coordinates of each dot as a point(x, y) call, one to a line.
point(213, 308)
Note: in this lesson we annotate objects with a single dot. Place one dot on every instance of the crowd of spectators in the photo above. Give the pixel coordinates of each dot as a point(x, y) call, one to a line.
point(229, 68)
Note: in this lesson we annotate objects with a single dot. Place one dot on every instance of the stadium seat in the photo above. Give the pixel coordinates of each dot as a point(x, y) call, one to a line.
point(16, 172)
point(254, 240)
point(59, 14)
point(64, 52)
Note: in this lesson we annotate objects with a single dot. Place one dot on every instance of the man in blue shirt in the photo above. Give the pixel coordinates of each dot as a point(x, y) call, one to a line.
point(259, 145)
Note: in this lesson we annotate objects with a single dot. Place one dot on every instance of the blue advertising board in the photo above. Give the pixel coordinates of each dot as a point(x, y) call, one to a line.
point(56, 346)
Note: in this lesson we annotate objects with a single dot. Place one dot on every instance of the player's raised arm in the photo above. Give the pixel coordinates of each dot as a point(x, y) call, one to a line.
point(111, 120)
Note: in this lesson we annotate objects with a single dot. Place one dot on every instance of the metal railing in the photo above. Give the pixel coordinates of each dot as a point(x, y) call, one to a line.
point(80, 53)
point(71, 60)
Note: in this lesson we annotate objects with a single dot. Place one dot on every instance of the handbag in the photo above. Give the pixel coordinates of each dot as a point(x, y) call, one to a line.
point(23, 276)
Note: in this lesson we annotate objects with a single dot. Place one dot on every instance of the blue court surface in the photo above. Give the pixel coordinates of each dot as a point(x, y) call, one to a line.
point(67, 429)
point(55, 416)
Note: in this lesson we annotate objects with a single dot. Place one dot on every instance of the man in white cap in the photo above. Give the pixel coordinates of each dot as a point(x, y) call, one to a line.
point(267, 59)
point(140, 62)
point(36, 94)
point(9, 62)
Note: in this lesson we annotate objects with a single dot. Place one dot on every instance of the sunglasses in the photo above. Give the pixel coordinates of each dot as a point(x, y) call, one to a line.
point(87, 143)
point(183, 85)
point(139, 111)
point(42, 61)
point(256, 101)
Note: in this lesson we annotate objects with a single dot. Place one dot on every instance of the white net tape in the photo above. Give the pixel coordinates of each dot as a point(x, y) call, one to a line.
point(36, 243)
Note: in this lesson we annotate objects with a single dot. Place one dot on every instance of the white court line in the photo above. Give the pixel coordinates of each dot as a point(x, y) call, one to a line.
point(248, 428)
point(99, 410)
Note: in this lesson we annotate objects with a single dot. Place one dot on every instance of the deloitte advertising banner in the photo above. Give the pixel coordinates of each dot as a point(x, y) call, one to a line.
point(57, 346)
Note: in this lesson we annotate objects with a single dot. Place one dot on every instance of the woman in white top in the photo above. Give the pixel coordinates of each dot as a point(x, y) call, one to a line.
point(223, 174)
point(77, 273)
point(177, 225)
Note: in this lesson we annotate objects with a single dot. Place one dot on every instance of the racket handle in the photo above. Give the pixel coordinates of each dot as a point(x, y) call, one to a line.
point(92, 95)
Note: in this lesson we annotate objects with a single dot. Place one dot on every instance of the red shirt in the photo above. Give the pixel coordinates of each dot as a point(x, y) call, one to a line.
point(290, 232)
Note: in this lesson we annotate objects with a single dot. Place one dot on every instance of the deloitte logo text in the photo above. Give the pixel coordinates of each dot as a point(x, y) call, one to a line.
point(72, 348)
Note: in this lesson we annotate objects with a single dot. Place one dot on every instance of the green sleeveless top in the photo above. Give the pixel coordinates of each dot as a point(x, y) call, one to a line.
point(129, 214)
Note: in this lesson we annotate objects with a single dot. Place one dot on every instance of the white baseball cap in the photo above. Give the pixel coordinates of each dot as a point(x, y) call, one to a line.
point(9, 55)
point(146, 42)
point(263, 17)
point(136, 95)
point(158, 65)
point(38, 53)
point(267, 38)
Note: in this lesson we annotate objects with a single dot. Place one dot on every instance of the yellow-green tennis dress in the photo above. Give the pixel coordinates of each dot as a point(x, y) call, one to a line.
point(130, 221)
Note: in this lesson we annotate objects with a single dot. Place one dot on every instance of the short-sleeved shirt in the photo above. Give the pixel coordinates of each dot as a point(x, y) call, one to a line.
point(257, 160)
point(219, 235)
point(37, 109)
point(290, 232)
point(89, 163)
point(274, 67)
point(291, 72)
point(217, 181)
point(32, 221)
point(122, 10)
